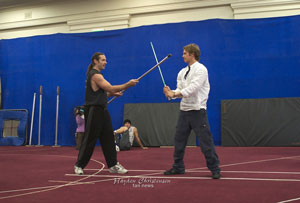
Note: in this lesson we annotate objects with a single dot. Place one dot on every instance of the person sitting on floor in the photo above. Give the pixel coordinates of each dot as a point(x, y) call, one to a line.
point(128, 134)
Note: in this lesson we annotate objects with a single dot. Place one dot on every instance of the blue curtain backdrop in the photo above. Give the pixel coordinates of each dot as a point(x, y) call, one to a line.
point(258, 58)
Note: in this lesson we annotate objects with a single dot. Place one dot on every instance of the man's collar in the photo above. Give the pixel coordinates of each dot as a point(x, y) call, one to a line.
point(193, 64)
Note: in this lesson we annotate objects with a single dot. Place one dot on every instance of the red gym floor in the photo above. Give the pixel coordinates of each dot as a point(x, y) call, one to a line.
point(45, 174)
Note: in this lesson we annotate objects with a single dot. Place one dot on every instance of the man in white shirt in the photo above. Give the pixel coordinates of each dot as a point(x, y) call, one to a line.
point(193, 87)
point(132, 133)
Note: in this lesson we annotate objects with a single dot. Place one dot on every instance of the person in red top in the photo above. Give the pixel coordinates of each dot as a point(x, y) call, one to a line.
point(79, 116)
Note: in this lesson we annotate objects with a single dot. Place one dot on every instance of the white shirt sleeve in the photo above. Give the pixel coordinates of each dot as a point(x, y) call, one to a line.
point(198, 78)
point(179, 82)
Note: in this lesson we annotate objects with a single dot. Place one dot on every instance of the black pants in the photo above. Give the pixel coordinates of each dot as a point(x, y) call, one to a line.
point(79, 137)
point(97, 125)
point(197, 121)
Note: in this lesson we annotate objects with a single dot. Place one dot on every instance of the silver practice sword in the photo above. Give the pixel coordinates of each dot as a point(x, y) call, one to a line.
point(161, 75)
point(146, 73)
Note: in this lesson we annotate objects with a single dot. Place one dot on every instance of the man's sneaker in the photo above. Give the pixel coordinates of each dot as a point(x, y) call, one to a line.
point(216, 175)
point(118, 168)
point(117, 148)
point(78, 170)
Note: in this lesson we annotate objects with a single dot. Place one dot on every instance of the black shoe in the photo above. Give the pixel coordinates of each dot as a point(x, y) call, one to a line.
point(172, 171)
point(216, 175)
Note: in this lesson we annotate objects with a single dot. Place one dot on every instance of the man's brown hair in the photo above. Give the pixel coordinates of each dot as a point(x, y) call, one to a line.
point(95, 56)
point(193, 49)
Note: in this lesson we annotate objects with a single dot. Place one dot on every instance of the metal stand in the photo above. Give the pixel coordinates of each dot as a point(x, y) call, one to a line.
point(32, 118)
point(40, 116)
point(57, 108)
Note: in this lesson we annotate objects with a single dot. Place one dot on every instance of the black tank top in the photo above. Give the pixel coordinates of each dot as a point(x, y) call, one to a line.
point(99, 97)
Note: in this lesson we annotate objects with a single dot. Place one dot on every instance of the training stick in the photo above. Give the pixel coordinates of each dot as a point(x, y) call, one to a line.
point(162, 77)
point(146, 73)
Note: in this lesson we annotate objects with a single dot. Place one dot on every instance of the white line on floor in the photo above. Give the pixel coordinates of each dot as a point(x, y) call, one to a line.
point(63, 181)
point(181, 177)
point(290, 200)
point(207, 171)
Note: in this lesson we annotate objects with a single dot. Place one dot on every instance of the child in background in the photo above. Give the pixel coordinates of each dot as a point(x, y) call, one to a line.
point(79, 116)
